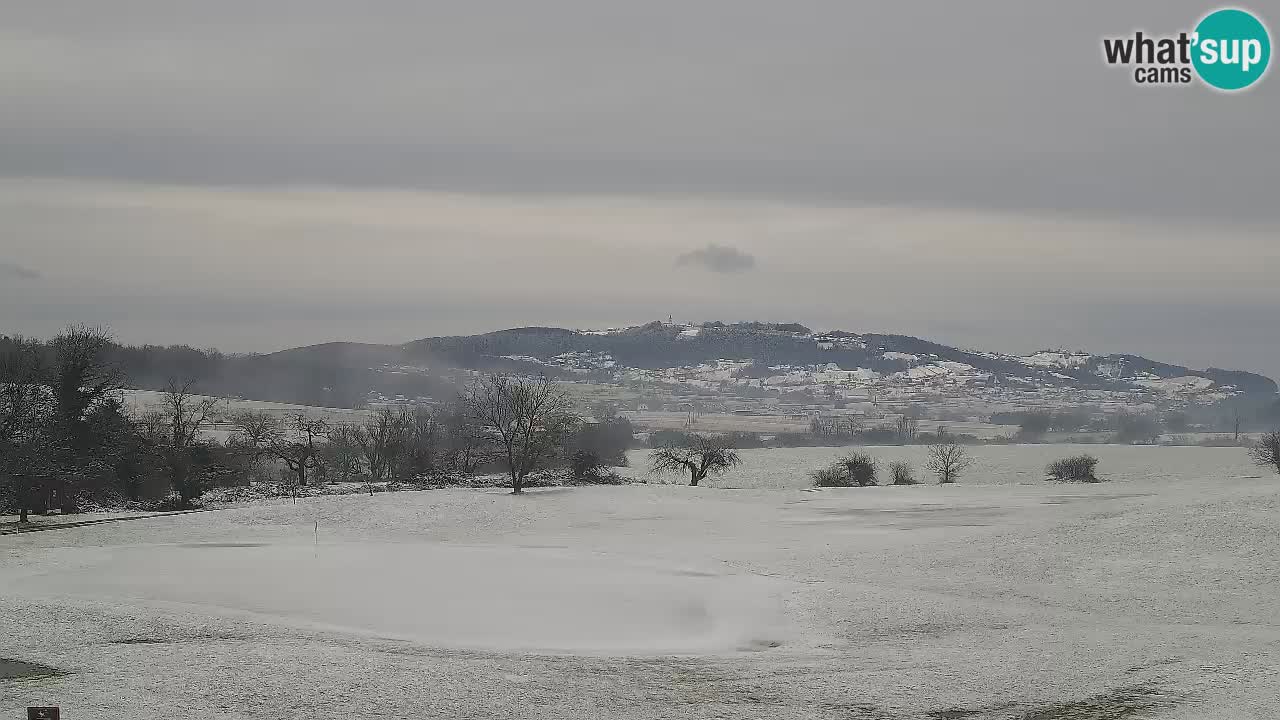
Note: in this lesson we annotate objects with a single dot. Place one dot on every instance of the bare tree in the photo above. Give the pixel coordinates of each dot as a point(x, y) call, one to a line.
point(381, 441)
point(948, 459)
point(256, 430)
point(901, 472)
point(908, 425)
point(298, 445)
point(699, 455)
point(300, 449)
point(1266, 452)
point(421, 437)
point(466, 442)
point(532, 417)
point(342, 452)
point(252, 436)
point(187, 414)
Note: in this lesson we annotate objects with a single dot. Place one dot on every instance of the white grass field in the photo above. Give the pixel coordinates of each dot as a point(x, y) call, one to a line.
point(1144, 597)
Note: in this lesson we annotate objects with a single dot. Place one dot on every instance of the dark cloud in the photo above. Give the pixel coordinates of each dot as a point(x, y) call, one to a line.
point(14, 270)
point(718, 258)
point(575, 96)
point(987, 153)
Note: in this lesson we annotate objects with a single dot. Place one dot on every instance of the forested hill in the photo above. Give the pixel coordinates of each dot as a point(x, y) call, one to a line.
point(343, 373)
point(660, 345)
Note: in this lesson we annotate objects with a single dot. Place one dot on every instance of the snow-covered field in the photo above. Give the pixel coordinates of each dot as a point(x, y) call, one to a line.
point(1143, 597)
point(992, 464)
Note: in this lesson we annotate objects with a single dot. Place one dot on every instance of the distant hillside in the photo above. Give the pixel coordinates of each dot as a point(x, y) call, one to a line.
point(659, 345)
point(749, 357)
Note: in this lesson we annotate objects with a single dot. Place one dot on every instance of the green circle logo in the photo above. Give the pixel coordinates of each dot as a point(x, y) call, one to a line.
point(1232, 49)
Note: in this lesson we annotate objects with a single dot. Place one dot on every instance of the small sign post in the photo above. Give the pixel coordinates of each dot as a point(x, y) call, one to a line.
point(43, 713)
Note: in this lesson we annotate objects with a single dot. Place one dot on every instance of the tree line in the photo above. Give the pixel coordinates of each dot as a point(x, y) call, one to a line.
point(68, 439)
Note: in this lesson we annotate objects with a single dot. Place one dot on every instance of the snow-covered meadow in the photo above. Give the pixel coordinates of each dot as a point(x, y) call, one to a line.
point(1154, 595)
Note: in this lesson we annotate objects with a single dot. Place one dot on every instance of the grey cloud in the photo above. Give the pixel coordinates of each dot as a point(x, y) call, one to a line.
point(718, 258)
point(816, 101)
point(1003, 110)
point(14, 270)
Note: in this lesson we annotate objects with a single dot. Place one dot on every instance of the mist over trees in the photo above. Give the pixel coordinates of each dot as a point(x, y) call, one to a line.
point(344, 374)
point(67, 439)
point(339, 376)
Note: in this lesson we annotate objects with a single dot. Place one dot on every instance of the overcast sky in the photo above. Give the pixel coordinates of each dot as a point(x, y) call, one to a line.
point(255, 176)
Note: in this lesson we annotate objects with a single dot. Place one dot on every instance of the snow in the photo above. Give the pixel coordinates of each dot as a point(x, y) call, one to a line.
point(438, 595)
point(836, 375)
point(525, 359)
point(1002, 596)
point(1173, 386)
point(907, 357)
point(1057, 359)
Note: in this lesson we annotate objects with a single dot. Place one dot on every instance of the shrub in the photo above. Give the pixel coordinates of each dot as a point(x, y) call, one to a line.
point(1074, 469)
point(1266, 452)
point(901, 473)
point(585, 465)
point(588, 468)
point(853, 470)
point(860, 468)
point(169, 503)
point(832, 476)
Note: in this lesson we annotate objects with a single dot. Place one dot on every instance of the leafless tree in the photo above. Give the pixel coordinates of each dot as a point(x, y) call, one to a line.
point(342, 452)
point(152, 424)
point(186, 414)
point(948, 459)
point(466, 442)
point(1266, 452)
point(298, 445)
point(699, 455)
point(252, 436)
point(908, 426)
point(901, 473)
point(532, 417)
point(381, 441)
point(256, 430)
point(421, 435)
point(299, 450)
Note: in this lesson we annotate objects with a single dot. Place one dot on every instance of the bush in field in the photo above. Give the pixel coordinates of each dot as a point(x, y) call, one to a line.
point(853, 470)
point(832, 476)
point(1079, 468)
point(588, 468)
point(860, 468)
point(901, 473)
point(1266, 452)
point(585, 466)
